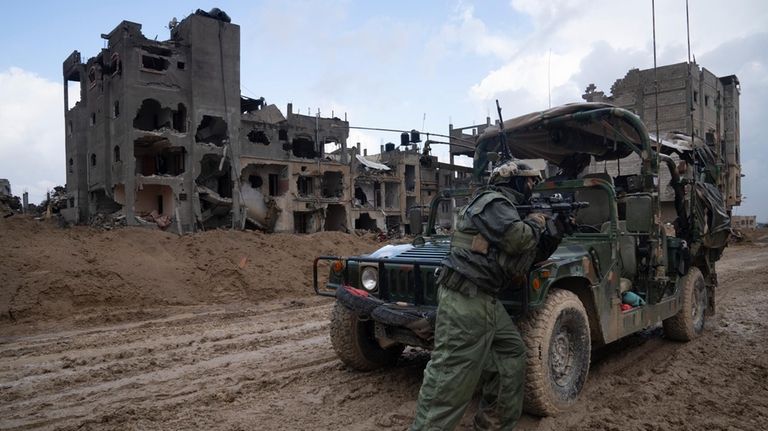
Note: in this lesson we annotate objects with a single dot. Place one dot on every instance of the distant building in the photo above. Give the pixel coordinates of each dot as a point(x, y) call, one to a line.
point(399, 182)
point(744, 222)
point(5, 187)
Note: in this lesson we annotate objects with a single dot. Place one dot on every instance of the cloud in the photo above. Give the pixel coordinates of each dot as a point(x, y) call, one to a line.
point(469, 35)
point(32, 149)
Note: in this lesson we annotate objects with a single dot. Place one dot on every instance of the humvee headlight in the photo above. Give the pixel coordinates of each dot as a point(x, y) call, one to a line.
point(370, 278)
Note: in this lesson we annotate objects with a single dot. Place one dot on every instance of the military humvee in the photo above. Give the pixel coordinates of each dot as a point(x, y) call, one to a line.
point(619, 272)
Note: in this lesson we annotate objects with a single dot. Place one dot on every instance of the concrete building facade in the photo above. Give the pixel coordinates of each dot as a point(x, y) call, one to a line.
point(161, 135)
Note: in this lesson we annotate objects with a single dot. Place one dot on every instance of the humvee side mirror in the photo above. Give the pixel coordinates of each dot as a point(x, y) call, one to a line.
point(639, 213)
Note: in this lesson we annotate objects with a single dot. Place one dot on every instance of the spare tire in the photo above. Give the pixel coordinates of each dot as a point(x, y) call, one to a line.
point(357, 300)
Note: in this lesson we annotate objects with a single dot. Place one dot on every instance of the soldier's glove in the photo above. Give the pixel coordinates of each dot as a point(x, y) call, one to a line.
point(538, 219)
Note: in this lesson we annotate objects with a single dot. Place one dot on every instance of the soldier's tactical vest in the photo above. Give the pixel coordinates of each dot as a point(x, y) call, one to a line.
point(475, 256)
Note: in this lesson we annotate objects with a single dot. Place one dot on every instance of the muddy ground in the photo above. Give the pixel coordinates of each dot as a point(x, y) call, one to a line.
point(138, 329)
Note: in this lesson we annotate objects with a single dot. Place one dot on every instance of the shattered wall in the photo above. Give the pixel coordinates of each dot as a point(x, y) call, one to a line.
point(149, 114)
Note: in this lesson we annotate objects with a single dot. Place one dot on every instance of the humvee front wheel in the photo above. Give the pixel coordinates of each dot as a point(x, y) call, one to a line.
point(688, 323)
point(558, 341)
point(354, 342)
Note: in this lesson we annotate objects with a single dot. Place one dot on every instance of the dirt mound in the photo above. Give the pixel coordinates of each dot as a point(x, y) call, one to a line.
point(50, 272)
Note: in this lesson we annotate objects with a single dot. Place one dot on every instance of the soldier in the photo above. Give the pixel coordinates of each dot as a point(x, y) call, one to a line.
point(475, 339)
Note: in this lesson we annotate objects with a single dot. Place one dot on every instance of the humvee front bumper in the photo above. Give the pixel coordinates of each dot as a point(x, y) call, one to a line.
point(389, 316)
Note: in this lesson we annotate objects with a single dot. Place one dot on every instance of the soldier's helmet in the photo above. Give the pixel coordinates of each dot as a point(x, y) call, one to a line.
point(507, 171)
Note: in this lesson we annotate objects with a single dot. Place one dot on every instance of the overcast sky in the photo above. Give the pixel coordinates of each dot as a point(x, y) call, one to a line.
point(393, 64)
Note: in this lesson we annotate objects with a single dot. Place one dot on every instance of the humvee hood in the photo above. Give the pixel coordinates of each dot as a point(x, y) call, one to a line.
point(433, 250)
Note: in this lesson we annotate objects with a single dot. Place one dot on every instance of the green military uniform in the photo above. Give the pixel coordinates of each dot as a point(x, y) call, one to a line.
point(475, 339)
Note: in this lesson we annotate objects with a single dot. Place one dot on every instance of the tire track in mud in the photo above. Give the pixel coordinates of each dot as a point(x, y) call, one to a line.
point(92, 370)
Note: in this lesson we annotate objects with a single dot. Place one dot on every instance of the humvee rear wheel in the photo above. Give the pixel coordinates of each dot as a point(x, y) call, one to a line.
point(558, 342)
point(688, 323)
point(354, 342)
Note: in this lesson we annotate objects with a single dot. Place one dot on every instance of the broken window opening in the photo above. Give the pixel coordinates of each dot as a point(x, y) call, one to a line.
point(116, 66)
point(116, 152)
point(157, 50)
point(215, 179)
point(332, 184)
point(273, 184)
point(282, 135)
point(69, 127)
point(301, 222)
point(180, 118)
point(154, 63)
point(72, 91)
point(335, 218)
point(152, 116)
point(360, 197)
point(258, 137)
point(180, 65)
point(93, 159)
point(154, 198)
point(92, 118)
point(212, 130)
point(392, 222)
point(366, 222)
point(377, 194)
point(391, 195)
point(304, 147)
point(410, 178)
point(71, 165)
point(156, 156)
point(307, 221)
point(305, 186)
point(255, 181)
point(116, 109)
point(330, 146)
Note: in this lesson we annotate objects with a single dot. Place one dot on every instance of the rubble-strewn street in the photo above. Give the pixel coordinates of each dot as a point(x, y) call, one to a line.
point(142, 329)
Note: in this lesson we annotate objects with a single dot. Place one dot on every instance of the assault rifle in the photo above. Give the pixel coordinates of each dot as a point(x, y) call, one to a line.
point(559, 212)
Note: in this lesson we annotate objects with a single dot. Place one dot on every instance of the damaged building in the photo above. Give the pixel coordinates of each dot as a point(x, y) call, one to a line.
point(156, 127)
point(691, 101)
point(293, 170)
point(393, 189)
point(160, 134)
